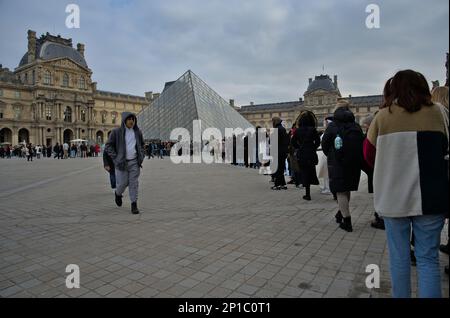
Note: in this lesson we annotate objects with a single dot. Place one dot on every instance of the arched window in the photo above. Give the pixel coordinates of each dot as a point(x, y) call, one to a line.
point(68, 115)
point(83, 115)
point(65, 81)
point(82, 83)
point(48, 112)
point(47, 78)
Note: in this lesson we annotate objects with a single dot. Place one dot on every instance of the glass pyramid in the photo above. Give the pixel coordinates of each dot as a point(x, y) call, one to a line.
point(185, 100)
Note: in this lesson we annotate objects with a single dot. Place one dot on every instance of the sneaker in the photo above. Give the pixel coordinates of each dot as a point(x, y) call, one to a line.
point(325, 191)
point(276, 188)
point(283, 187)
point(118, 199)
point(134, 208)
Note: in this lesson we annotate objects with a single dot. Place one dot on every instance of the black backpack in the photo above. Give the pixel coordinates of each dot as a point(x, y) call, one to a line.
point(351, 152)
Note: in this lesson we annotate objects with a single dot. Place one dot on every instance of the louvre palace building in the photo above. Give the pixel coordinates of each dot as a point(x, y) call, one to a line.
point(50, 96)
point(320, 97)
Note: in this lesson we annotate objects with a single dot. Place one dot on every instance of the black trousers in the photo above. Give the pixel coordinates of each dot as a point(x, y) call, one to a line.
point(279, 174)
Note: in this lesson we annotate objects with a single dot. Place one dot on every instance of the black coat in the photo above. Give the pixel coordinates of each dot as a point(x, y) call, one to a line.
point(283, 142)
point(305, 142)
point(342, 178)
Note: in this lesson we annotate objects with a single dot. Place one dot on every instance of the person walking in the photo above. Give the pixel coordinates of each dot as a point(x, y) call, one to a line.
point(125, 146)
point(283, 144)
point(56, 150)
point(66, 150)
point(29, 152)
point(38, 151)
point(342, 143)
point(407, 144)
point(440, 95)
point(305, 141)
point(322, 166)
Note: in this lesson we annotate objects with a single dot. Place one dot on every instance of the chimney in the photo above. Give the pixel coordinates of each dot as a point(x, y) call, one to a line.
point(435, 84)
point(31, 46)
point(80, 48)
point(335, 81)
point(232, 102)
point(310, 80)
point(149, 95)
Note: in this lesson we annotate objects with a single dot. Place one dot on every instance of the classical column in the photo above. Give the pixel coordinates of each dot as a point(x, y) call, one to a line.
point(38, 135)
point(15, 137)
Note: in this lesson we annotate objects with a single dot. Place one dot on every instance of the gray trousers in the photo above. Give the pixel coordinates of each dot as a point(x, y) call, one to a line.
point(128, 178)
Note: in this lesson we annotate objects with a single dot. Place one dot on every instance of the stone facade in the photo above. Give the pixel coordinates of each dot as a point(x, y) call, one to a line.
point(50, 97)
point(320, 97)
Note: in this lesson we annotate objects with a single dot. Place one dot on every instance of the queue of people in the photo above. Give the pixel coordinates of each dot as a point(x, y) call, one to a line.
point(404, 150)
point(58, 151)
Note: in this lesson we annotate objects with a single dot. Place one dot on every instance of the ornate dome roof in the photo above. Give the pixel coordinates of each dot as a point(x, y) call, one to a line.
point(50, 47)
point(323, 82)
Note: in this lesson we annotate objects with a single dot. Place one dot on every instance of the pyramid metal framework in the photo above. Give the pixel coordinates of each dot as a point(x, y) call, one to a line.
point(185, 100)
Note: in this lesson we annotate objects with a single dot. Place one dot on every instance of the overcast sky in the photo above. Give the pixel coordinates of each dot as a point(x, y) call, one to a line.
point(249, 50)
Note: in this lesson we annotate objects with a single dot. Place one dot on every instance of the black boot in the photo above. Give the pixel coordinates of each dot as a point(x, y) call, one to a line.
point(134, 208)
point(346, 224)
point(307, 195)
point(378, 223)
point(339, 217)
point(118, 199)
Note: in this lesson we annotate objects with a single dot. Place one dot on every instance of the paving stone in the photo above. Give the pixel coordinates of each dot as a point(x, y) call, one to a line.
point(208, 240)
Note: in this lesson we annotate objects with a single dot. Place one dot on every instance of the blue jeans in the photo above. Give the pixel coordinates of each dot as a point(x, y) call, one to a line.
point(112, 179)
point(427, 236)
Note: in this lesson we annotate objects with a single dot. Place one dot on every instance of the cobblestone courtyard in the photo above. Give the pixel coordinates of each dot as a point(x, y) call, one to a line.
point(203, 231)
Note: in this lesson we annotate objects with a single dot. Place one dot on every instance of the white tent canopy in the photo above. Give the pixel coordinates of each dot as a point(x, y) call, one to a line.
point(78, 140)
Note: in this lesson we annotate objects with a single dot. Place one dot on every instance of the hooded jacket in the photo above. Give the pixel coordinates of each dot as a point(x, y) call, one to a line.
point(343, 178)
point(116, 147)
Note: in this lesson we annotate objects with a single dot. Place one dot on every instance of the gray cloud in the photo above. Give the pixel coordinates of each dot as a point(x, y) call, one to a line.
point(252, 50)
